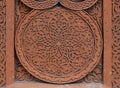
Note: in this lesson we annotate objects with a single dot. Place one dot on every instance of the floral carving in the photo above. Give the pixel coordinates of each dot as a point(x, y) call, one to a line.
point(116, 44)
point(21, 73)
point(57, 44)
point(97, 74)
point(78, 4)
point(22, 10)
point(2, 43)
point(71, 4)
point(40, 4)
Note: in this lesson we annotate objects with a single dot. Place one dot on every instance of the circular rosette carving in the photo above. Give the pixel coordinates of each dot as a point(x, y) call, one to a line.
point(40, 4)
point(58, 45)
point(78, 4)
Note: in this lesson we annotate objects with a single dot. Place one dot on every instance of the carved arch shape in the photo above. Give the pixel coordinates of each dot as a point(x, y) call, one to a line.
point(37, 4)
point(78, 4)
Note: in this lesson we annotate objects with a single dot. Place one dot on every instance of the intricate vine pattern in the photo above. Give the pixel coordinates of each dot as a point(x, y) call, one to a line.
point(2, 42)
point(21, 73)
point(116, 44)
point(40, 4)
point(57, 45)
point(71, 4)
point(96, 12)
point(78, 4)
point(95, 76)
point(21, 11)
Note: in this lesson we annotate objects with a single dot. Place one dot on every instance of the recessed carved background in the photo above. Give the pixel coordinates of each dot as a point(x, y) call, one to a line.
point(2, 43)
point(116, 44)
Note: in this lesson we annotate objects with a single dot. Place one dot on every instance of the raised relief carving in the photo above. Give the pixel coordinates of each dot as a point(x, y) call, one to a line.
point(28, 22)
point(78, 4)
point(2, 42)
point(40, 4)
point(95, 76)
point(21, 73)
point(58, 45)
point(116, 44)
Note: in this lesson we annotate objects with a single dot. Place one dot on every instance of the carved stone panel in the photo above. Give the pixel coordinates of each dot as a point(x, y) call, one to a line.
point(60, 41)
point(116, 44)
point(2, 42)
point(58, 45)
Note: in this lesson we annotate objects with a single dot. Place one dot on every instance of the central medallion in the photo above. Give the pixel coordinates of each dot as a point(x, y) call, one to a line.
point(58, 45)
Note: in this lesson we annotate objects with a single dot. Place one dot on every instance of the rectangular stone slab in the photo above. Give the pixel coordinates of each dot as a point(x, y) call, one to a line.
point(111, 53)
